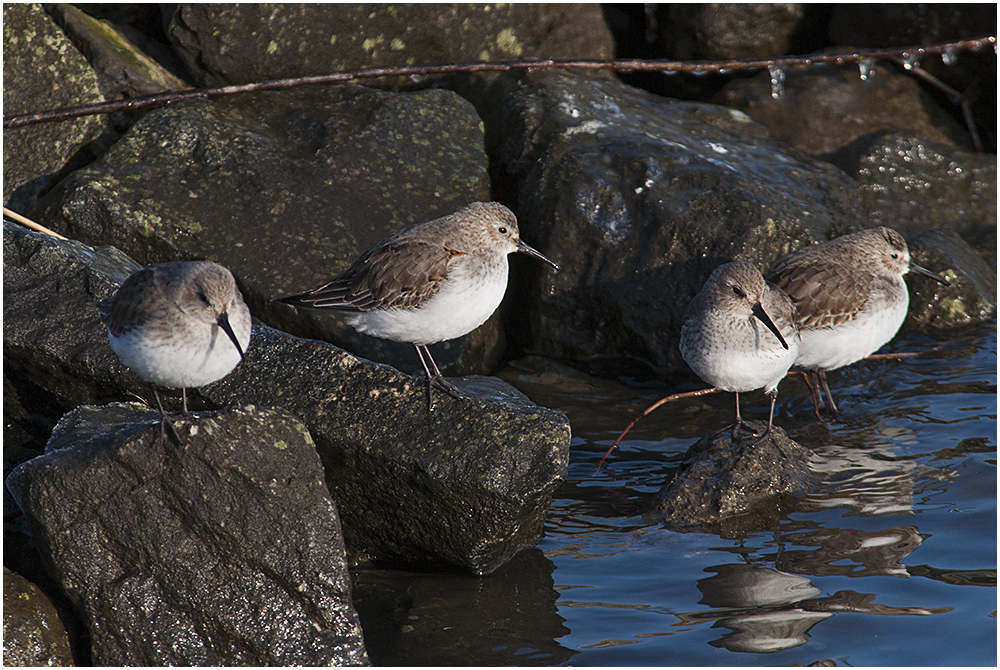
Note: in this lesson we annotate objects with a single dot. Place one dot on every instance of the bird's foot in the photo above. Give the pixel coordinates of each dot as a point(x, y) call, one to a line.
point(442, 384)
point(168, 432)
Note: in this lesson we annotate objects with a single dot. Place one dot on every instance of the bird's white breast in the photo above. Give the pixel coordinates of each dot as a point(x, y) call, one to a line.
point(837, 346)
point(468, 296)
point(188, 357)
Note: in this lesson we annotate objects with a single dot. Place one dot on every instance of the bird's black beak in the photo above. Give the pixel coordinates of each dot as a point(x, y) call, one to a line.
point(759, 312)
point(523, 248)
point(927, 273)
point(223, 322)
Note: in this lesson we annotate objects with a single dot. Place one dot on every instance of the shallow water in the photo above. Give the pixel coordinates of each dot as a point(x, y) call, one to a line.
point(891, 560)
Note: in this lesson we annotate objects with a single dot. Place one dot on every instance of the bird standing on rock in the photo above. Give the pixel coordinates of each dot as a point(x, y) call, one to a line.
point(739, 333)
point(180, 325)
point(429, 282)
point(850, 299)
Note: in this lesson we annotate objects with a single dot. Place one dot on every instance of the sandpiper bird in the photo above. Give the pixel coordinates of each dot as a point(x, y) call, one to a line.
point(429, 282)
point(739, 333)
point(850, 299)
point(179, 325)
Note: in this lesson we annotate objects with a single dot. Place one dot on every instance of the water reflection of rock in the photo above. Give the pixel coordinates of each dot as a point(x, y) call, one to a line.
point(769, 610)
point(422, 619)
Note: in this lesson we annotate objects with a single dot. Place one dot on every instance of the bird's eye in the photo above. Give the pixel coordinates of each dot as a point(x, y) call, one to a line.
point(739, 292)
point(502, 230)
point(203, 297)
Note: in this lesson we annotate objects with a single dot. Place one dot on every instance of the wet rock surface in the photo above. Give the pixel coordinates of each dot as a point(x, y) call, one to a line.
point(722, 32)
point(42, 69)
point(224, 548)
point(638, 197)
point(465, 485)
point(237, 44)
point(823, 111)
point(972, 297)
point(911, 184)
point(33, 634)
point(732, 480)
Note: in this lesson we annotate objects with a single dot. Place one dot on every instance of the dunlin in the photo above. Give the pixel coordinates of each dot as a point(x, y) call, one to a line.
point(429, 282)
point(179, 325)
point(850, 299)
point(739, 334)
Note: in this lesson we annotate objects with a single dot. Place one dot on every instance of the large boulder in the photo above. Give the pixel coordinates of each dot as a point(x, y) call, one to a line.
point(224, 44)
point(639, 198)
point(223, 549)
point(42, 70)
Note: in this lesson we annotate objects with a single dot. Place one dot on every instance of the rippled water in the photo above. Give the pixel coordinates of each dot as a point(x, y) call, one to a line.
point(891, 560)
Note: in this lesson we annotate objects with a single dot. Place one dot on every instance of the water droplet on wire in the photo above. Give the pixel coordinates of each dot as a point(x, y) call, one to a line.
point(777, 81)
point(866, 66)
point(910, 60)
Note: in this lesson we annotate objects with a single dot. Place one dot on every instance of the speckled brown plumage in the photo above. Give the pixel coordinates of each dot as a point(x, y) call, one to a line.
point(831, 283)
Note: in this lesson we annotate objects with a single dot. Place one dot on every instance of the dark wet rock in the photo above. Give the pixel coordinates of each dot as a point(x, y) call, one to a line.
point(972, 297)
point(41, 70)
point(825, 110)
point(224, 549)
point(639, 198)
point(466, 485)
point(734, 485)
point(722, 31)
point(33, 635)
point(54, 358)
point(143, 25)
point(224, 44)
point(123, 69)
point(911, 184)
point(286, 190)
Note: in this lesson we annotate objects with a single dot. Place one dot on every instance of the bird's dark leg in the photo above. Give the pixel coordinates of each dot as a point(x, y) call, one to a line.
point(435, 378)
point(167, 420)
point(739, 420)
point(826, 389)
point(812, 383)
point(770, 422)
point(770, 417)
